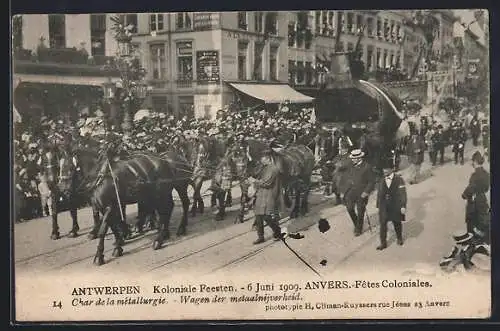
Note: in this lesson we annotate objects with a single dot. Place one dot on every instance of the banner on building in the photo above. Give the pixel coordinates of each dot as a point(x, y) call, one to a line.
point(206, 21)
point(207, 65)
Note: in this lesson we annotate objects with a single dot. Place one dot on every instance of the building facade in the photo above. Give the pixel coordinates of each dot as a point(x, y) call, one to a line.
point(190, 57)
point(58, 63)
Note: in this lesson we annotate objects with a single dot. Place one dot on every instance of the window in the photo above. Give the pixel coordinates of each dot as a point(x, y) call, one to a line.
point(160, 104)
point(292, 70)
point(330, 23)
point(207, 112)
point(257, 68)
point(242, 60)
point(300, 72)
point(273, 63)
point(378, 58)
point(185, 61)
point(57, 31)
point(242, 20)
point(350, 23)
point(369, 59)
point(319, 23)
point(158, 61)
point(186, 106)
point(155, 22)
point(271, 23)
point(292, 32)
point(183, 21)
point(369, 26)
point(359, 21)
point(98, 34)
point(350, 47)
point(391, 59)
point(17, 32)
point(309, 74)
point(259, 21)
point(341, 46)
point(130, 19)
point(379, 29)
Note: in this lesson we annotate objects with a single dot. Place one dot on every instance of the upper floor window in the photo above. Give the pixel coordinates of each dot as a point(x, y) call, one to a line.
point(57, 31)
point(156, 22)
point(183, 21)
point(185, 61)
point(158, 61)
point(98, 34)
point(130, 19)
point(259, 21)
point(350, 23)
point(242, 20)
point(17, 31)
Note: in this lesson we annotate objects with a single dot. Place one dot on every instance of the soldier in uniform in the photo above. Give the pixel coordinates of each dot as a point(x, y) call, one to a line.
point(475, 130)
point(459, 137)
point(360, 183)
point(268, 197)
point(391, 203)
point(477, 210)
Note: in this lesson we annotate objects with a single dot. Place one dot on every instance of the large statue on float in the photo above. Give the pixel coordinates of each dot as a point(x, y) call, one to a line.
point(366, 111)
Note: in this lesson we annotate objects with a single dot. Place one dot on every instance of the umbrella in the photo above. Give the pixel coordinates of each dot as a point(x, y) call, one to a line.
point(141, 114)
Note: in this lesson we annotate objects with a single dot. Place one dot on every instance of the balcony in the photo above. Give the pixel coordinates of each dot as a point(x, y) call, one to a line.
point(62, 61)
point(184, 82)
point(61, 56)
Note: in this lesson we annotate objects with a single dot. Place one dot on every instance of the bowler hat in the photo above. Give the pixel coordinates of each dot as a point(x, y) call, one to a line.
point(462, 237)
point(356, 154)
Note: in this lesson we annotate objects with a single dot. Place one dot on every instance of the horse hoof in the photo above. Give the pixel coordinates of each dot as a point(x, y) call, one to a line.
point(117, 252)
point(99, 260)
point(91, 236)
point(181, 232)
point(73, 234)
point(156, 245)
point(55, 236)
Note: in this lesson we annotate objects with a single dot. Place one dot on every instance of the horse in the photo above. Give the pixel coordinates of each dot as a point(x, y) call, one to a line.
point(143, 178)
point(296, 163)
point(62, 188)
point(205, 155)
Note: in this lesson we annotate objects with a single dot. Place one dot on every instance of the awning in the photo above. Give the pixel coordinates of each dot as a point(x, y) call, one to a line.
point(68, 80)
point(272, 93)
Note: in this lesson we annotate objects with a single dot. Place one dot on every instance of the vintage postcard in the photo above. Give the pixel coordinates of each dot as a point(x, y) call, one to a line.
point(322, 164)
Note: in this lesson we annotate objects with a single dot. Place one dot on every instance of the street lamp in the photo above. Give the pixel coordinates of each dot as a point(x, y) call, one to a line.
point(124, 44)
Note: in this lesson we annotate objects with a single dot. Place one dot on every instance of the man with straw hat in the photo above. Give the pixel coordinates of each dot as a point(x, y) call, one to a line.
point(360, 182)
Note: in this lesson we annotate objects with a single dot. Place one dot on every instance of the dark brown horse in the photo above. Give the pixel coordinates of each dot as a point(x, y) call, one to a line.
point(147, 179)
point(206, 153)
point(296, 164)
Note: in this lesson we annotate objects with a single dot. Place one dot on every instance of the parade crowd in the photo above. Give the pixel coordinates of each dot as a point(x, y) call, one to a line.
point(154, 133)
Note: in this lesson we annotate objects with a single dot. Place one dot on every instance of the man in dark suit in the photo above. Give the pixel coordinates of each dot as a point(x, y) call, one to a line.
point(477, 210)
point(360, 182)
point(268, 197)
point(391, 203)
